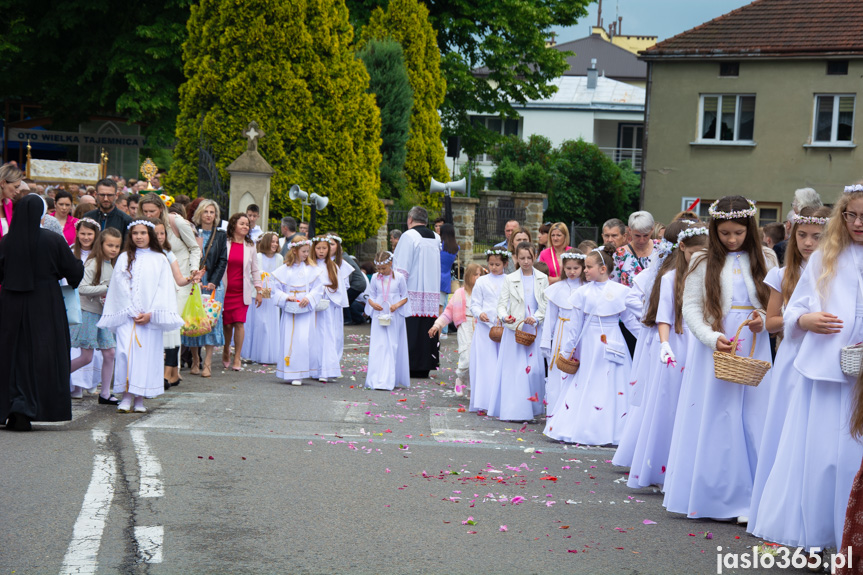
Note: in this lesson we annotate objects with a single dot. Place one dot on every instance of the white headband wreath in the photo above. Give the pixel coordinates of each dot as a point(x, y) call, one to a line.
point(88, 220)
point(293, 245)
point(320, 239)
point(141, 223)
point(572, 256)
point(854, 188)
point(664, 247)
point(334, 237)
point(690, 233)
point(739, 214)
point(385, 262)
point(795, 219)
point(502, 253)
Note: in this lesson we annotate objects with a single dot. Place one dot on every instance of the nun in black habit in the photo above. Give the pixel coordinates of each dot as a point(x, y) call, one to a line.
point(34, 333)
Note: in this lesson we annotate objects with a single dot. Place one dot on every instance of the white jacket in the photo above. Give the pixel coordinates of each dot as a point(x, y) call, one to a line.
point(511, 298)
point(694, 294)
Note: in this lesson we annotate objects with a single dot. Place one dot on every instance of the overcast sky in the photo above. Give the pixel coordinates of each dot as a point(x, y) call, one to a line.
point(663, 18)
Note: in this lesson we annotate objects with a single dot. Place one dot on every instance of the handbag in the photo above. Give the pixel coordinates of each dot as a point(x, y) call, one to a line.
point(851, 356)
point(614, 351)
point(73, 305)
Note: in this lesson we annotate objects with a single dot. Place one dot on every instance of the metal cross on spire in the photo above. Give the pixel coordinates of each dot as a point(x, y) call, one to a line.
point(253, 133)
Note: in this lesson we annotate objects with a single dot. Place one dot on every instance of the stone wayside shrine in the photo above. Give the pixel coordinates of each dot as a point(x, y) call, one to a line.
point(250, 178)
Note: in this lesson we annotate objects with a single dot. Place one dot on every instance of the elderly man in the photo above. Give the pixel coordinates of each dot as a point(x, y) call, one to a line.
point(614, 233)
point(417, 257)
point(510, 227)
point(107, 214)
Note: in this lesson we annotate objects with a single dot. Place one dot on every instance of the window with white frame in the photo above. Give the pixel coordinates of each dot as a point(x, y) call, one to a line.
point(834, 119)
point(726, 118)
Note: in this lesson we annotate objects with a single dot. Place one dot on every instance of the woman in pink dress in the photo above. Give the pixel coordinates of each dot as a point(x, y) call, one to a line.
point(63, 214)
point(558, 238)
point(10, 180)
point(243, 279)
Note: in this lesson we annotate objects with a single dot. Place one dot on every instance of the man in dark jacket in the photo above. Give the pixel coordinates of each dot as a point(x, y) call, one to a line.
point(107, 214)
point(357, 284)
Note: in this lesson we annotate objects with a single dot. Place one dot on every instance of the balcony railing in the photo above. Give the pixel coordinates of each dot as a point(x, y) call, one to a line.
point(617, 155)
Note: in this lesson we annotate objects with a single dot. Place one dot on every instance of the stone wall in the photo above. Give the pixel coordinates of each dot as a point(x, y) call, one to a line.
point(366, 251)
point(464, 220)
point(532, 203)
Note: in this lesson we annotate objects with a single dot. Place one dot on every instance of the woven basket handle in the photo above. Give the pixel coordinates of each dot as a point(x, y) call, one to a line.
point(521, 322)
point(737, 336)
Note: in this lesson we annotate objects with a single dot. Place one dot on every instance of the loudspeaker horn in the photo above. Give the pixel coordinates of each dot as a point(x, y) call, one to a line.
point(320, 202)
point(447, 189)
point(297, 194)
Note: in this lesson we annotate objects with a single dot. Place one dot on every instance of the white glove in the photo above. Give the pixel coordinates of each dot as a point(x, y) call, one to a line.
point(665, 353)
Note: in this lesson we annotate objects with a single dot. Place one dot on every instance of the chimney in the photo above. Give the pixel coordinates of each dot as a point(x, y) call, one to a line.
point(620, 25)
point(591, 75)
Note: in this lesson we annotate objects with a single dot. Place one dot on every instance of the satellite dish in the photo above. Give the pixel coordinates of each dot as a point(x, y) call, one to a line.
point(448, 188)
point(297, 194)
point(320, 202)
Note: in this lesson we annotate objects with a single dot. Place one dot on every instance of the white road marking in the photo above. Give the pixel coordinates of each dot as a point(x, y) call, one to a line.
point(350, 413)
point(150, 541)
point(149, 467)
point(441, 429)
point(83, 549)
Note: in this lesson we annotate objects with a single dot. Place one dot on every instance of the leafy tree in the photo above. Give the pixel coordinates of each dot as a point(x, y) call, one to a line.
point(384, 60)
point(588, 185)
point(506, 38)
point(79, 58)
point(524, 165)
point(407, 22)
point(290, 67)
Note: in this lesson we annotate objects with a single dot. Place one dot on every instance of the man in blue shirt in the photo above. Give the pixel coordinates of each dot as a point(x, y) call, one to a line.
point(510, 227)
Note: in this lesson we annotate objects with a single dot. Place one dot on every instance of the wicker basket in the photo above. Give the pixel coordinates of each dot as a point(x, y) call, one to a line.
point(496, 332)
point(522, 337)
point(567, 364)
point(851, 359)
point(743, 370)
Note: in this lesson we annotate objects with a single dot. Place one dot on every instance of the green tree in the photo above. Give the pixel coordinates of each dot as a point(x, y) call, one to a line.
point(524, 165)
point(385, 63)
point(407, 22)
point(588, 186)
point(80, 58)
point(290, 67)
point(494, 56)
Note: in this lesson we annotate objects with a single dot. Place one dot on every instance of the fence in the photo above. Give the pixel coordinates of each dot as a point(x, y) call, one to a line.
point(489, 224)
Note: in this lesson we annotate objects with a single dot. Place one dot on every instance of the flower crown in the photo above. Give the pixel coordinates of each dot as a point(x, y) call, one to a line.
point(854, 188)
point(502, 253)
point(88, 220)
point(168, 200)
point(690, 233)
point(385, 262)
point(300, 243)
point(334, 237)
point(141, 223)
point(320, 239)
point(739, 214)
point(664, 247)
point(795, 219)
point(572, 256)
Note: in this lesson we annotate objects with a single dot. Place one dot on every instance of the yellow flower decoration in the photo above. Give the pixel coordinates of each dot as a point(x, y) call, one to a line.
point(264, 275)
point(169, 201)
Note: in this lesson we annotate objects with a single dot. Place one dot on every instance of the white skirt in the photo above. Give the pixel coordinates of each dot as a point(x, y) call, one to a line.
point(89, 376)
point(261, 343)
point(295, 332)
point(650, 440)
point(464, 335)
point(483, 367)
point(554, 381)
point(140, 362)
point(325, 357)
point(593, 403)
point(717, 431)
point(639, 379)
point(806, 491)
point(389, 365)
point(519, 381)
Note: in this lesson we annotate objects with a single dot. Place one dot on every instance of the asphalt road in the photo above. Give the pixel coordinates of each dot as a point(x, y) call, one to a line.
point(242, 473)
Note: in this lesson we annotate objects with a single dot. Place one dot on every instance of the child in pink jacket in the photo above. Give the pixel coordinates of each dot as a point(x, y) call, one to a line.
point(457, 311)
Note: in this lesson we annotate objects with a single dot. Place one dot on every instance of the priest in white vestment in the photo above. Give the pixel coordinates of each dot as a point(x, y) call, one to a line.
point(417, 257)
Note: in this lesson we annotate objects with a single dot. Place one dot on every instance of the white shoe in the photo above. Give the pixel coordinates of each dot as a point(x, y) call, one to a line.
point(323, 380)
point(444, 336)
point(743, 520)
point(459, 387)
point(297, 382)
point(78, 393)
point(124, 406)
point(140, 409)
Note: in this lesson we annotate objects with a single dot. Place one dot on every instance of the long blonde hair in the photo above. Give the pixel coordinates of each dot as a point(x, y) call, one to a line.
point(836, 239)
point(292, 256)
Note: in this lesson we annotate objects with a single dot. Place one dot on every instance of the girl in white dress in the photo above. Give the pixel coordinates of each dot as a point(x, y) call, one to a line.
point(261, 344)
point(557, 314)
point(806, 233)
point(386, 304)
point(84, 375)
point(804, 498)
point(87, 337)
point(649, 426)
point(484, 350)
point(140, 306)
point(325, 362)
point(592, 404)
point(718, 424)
point(458, 312)
point(519, 381)
point(345, 271)
point(297, 289)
